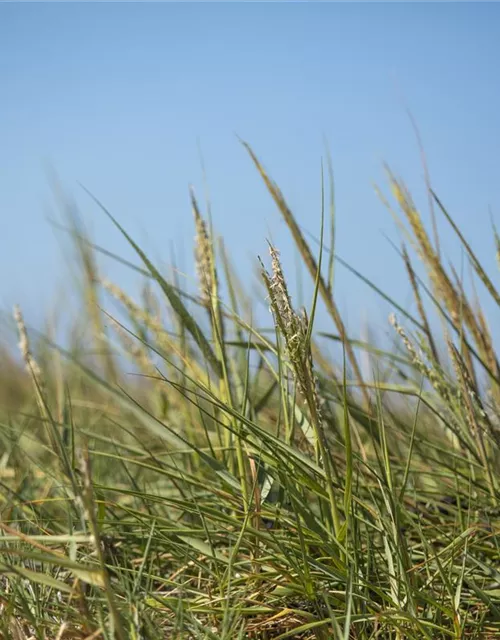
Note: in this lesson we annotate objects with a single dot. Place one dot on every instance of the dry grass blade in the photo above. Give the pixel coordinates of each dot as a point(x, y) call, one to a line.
point(312, 267)
point(473, 258)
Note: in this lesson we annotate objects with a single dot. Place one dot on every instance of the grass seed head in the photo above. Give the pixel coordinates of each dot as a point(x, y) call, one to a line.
point(203, 254)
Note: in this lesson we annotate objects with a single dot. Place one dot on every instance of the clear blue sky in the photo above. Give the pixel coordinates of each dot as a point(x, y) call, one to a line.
point(118, 97)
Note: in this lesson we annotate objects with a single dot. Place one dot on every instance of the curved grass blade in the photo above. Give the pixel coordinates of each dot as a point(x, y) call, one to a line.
point(174, 299)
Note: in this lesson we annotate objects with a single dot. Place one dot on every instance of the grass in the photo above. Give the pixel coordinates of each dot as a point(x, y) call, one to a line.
point(243, 484)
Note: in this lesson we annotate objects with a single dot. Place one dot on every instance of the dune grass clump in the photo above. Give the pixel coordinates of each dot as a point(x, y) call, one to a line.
point(243, 483)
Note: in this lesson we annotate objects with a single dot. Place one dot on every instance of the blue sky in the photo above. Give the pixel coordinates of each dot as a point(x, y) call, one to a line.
point(120, 97)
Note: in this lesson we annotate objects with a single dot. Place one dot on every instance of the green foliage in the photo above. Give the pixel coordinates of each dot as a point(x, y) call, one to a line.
point(244, 485)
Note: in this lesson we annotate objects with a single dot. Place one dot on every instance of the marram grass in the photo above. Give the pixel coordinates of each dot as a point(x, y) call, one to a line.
point(243, 484)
